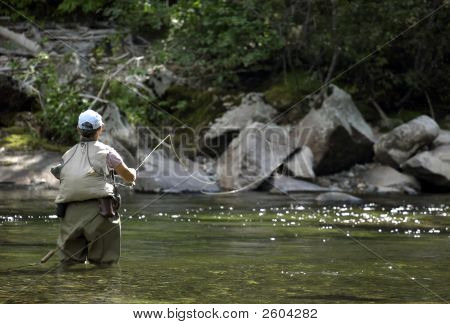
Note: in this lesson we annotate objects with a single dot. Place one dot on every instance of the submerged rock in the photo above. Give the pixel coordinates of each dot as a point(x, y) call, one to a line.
point(253, 156)
point(337, 134)
point(301, 164)
point(283, 184)
point(160, 173)
point(337, 197)
point(223, 130)
point(397, 146)
point(388, 180)
point(431, 167)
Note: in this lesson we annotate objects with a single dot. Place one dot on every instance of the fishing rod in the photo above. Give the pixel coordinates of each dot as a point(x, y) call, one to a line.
point(52, 252)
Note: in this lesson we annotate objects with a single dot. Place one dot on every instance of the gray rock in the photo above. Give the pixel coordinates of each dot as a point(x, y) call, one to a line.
point(29, 169)
point(337, 134)
point(160, 79)
point(442, 139)
point(301, 164)
point(337, 197)
point(283, 184)
point(389, 180)
point(404, 141)
point(253, 156)
point(160, 173)
point(431, 167)
point(251, 109)
point(119, 134)
point(72, 69)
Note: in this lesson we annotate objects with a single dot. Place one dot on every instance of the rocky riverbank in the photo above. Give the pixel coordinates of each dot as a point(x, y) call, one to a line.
point(331, 149)
point(236, 141)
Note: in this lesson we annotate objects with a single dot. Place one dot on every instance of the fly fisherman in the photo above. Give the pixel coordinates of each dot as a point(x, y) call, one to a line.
point(88, 201)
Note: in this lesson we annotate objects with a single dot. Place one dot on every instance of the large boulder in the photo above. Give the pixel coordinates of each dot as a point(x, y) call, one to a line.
point(301, 164)
point(431, 167)
point(284, 184)
point(251, 109)
point(337, 134)
point(119, 134)
point(253, 156)
point(397, 146)
point(388, 180)
point(442, 139)
point(161, 173)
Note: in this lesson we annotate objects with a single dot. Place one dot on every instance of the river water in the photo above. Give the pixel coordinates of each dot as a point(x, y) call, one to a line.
point(245, 248)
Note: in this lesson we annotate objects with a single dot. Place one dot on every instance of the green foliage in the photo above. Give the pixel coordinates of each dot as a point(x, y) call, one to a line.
point(137, 109)
point(195, 107)
point(221, 38)
point(288, 89)
point(61, 103)
point(138, 15)
point(21, 140)
point(382, 54)
point(399, 61)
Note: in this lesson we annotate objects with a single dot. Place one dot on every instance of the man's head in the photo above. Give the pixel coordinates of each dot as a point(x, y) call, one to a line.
point(90, 124)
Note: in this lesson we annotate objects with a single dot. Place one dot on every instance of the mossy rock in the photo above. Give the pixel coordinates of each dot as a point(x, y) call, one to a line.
point(23, 141)
point(288, 94)
point(196, 108)
point(286, 90)
point(406, 115)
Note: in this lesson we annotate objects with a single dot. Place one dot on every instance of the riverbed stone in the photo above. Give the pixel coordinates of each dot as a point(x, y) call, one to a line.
point(337, 134)
point(284, 184)
point(431, 167)
point(253, 156)
point(397, 146)
point(333, 197)
point(388, 180)
point(161, 173)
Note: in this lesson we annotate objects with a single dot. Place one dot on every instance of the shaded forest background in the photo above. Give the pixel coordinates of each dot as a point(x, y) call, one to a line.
point(287, 49)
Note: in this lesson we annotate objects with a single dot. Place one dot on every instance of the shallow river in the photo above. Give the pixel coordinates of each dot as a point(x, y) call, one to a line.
point(246, 248)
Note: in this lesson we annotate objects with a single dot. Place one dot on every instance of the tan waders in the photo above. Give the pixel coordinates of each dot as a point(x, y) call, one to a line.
point(86, 235)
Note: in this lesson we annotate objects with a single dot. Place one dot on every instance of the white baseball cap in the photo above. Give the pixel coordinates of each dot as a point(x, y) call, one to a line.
point(89, 119)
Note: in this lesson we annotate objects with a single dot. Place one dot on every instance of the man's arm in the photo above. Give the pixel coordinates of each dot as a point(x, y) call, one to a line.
point(127, 174)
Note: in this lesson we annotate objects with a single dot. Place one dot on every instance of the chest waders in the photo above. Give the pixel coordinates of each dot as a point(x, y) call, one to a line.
point(108, 206)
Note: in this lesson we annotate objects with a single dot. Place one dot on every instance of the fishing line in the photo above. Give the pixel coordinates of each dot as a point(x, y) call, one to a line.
point(351, 67)
point(370, 250)
point(274, 119)
point(378, 49)
point(107, 232)
point(154, 149)
point(178, 158)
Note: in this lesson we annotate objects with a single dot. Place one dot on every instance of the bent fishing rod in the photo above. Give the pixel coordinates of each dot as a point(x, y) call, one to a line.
point(52, 252)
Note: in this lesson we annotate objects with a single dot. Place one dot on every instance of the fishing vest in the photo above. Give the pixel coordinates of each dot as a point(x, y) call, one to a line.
point(84, 174)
